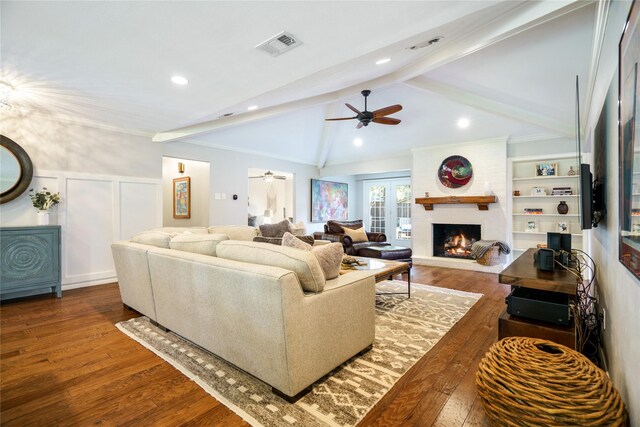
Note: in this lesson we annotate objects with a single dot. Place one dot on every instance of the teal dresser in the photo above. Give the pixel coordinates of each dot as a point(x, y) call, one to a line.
point(29, 261)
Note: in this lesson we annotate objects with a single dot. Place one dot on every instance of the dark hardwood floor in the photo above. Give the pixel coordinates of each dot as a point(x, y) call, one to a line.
point(63, 362)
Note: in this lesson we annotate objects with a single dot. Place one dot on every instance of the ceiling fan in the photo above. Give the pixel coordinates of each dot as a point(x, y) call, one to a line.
point(269, 176)
point(378, 116)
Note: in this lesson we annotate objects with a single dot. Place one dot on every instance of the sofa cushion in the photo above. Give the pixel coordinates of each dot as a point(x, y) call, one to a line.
point(153, 238)
point(357, 236)
point(303, 263)
point(274, 230)
point(288, 239)
point(204, 244)
point(235, 232)
point(330, 258)
point(298, 229)
point(337, 227)
point(180, 230)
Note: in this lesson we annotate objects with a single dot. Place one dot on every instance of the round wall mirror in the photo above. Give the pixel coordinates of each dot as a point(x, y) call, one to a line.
point(16, 170)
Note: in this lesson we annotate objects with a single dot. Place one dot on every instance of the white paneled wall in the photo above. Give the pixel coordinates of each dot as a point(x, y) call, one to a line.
point(95, 211)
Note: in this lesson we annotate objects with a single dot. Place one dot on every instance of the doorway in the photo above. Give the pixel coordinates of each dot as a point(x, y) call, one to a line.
point(387, 209)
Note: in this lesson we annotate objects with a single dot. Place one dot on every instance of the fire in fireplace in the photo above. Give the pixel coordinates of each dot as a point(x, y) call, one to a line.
point(454, 240)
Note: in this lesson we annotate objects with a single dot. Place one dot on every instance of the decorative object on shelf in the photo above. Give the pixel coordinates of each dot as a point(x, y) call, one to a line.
point(635, 228)
point(538, 191)
point(563, 208)
point(182, 198)
point(16, 171)
point(488, 189)
point(516, 193)
point(426, 194)
point(546, 169)
point(533, 211)
point(571, 172)
point(561, 191)
point(530, 381)
point(329, 200)
point(563, 227)
point(532, 227)
point(455, 172)
point(43, 201)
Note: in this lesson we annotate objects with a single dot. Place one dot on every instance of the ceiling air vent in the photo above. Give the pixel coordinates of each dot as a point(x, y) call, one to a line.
point(279, 43)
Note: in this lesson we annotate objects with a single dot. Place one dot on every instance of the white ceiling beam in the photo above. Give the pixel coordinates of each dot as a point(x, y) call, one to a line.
point(244, 118)
point(489, 105)
point(513, 21)
point(327, 136)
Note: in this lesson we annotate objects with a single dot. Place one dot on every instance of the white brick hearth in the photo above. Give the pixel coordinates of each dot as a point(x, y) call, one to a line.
point(489, 161)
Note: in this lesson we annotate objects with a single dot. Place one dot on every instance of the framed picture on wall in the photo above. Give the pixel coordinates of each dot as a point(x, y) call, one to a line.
point(182, 198)
point(531, 227)
point(329, 200)
point(546, 169)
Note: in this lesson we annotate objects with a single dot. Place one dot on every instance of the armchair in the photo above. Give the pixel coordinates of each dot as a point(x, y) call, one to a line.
point(333, 231)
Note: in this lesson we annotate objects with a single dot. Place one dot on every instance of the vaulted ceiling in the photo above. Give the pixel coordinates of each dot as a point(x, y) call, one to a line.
point(507, 66)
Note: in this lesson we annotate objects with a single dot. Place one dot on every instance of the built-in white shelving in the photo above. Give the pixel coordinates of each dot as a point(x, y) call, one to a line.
point(530, 230)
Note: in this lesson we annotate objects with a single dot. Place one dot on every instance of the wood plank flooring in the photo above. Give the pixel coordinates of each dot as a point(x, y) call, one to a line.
point(63, 362)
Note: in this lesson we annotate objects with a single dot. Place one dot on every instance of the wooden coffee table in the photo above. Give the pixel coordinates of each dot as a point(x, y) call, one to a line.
point(387, 269)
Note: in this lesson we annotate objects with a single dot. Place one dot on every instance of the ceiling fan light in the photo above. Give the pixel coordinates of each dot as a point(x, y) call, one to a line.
point(357, 142)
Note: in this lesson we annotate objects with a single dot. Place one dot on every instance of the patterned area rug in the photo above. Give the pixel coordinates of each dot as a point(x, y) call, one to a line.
point(405, 330)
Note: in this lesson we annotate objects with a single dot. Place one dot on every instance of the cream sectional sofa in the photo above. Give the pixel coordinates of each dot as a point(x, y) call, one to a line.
point(264, 308)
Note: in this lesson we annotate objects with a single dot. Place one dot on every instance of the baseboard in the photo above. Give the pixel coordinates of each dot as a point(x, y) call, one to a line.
point(89, 283)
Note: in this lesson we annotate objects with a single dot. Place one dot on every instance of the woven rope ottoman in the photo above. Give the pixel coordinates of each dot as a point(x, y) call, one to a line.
point(534, 382)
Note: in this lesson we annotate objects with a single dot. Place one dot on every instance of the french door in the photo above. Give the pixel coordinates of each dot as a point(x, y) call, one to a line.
point(386, 209)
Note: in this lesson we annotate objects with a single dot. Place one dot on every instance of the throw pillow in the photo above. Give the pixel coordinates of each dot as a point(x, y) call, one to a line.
point(292, 241)
point(357, 236)
point(275, 230)
point(330, 258)
point(298, 229)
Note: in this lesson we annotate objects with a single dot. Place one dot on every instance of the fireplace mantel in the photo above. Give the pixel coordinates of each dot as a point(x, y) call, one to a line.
point(481, 201)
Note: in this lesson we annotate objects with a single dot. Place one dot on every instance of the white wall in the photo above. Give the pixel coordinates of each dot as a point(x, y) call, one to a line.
point(198, 172)
point(619, 291)
point(489, 161)
point(229, 176)
point(109, 184)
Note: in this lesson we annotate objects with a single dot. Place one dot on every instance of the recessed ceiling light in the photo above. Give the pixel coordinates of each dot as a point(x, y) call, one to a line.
point(357, 142)
point(179, 80)
point(253, 107)
point(463, 122)
point(383, 61)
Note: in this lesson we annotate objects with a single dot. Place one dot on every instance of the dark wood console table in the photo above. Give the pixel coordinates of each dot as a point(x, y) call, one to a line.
point(524, 272)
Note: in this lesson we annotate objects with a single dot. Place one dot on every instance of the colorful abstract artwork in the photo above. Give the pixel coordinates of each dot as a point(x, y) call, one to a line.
point(329, 200)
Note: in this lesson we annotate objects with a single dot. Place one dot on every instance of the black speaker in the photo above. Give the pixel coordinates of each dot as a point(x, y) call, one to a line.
point(565, 242)
point(554, 241)
point(544, 259)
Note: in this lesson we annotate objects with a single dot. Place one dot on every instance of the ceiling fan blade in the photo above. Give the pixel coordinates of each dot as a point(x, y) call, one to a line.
point(352, 108)
point(341, 118)
point(387, 110)
point(254, 177)
point(386, 120)
point(359, 125)
point(280, 177)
